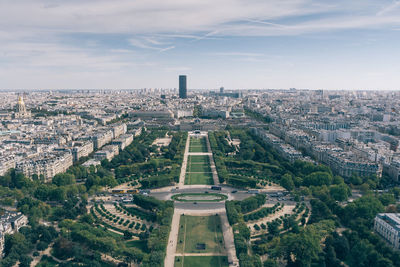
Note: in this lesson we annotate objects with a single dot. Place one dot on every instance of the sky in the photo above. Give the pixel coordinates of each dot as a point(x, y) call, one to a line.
point(238, 44)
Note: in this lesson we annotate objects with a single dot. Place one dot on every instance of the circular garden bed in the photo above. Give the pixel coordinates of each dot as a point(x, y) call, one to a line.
point(199, 197)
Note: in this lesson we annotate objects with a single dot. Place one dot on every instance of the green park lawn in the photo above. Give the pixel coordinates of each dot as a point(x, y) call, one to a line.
point(199, 159)
point(201, 261)
point(195, 230)
point(198, 145)
point(198, 171)
point(139, 244)
point(198, 167)
point(199, 178)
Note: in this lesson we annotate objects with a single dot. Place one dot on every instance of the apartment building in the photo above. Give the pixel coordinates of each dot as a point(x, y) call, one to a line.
point(387, 225)
point(123, 141)
point(10, 223)
point(81, 149)
point(102, 138)
point(45, 166)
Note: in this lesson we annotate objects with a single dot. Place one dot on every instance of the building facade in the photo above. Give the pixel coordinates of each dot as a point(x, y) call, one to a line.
point(81, 149)
point(10, 223)
point(387, 225)
point(45, 166)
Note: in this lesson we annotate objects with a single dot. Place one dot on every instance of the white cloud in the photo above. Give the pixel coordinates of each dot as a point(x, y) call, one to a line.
point(33, 33)
point(150, 16)
point(150, 43)
point(389, 8)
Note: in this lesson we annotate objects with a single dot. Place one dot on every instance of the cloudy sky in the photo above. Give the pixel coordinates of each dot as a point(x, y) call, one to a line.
point(342, 44)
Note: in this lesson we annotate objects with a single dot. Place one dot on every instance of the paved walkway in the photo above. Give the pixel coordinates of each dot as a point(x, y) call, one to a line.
point(173, 239)
point(184, 163)
point(199, 153)
point(229, 240)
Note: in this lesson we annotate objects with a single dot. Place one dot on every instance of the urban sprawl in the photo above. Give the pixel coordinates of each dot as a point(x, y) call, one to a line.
point(265, 168)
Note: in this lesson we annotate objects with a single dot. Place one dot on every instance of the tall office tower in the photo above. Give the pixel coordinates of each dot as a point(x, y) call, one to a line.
point(182, 86)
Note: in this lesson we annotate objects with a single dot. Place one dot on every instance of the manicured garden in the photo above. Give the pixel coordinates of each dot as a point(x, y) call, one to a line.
point(198, 144)
point(209, 241)
point(201, 261)
point(199, 197)
point(198, 171)
point(199, 159)
point(199, 167)
point(199, 178)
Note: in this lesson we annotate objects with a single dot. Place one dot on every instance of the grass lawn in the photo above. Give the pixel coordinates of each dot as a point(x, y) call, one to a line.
point(199, 178)
point(200, 229)
point(198, 145)
point(201, 261)
point(199, 167)
point(140, 244)
point(199, 159)
point(198, 149)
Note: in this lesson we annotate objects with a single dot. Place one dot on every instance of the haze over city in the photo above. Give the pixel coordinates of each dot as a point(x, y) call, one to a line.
point(237, 44)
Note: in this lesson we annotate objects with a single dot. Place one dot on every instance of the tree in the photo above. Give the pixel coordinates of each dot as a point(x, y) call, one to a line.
point(355, 179)
point(127, 235)
point(339, 192)
point(363, 209)
point(319, 211)
point(273, 227)
point(270, 263)
point(304, 247)
point(360, 252)
point(63, 248)
point(63, 179)
point(341, 245)
point(387, 199)
point(287, 182)
point(25, 261)
point(318, 179)
point(17, 244)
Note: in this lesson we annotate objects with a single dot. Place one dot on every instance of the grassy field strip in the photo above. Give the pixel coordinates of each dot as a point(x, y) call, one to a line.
point(209, 226)
point(202, 261)
point(189, 238)
point(199, 171)
point(198, 145)
point(184, 243)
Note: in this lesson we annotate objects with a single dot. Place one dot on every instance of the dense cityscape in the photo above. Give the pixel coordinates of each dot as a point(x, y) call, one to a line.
point(178, 177)
point(231, 133)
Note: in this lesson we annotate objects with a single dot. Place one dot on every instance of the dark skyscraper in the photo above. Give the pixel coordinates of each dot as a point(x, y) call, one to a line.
point(182, 86)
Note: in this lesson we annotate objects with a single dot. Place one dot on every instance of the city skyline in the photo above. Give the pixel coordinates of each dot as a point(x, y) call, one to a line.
point(235, 44)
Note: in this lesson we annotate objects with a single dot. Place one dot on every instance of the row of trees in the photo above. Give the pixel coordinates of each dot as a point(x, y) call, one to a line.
point(160, 170)
point(251, 164)
point(138, 151)
point(235, 209)
point(357, 246)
